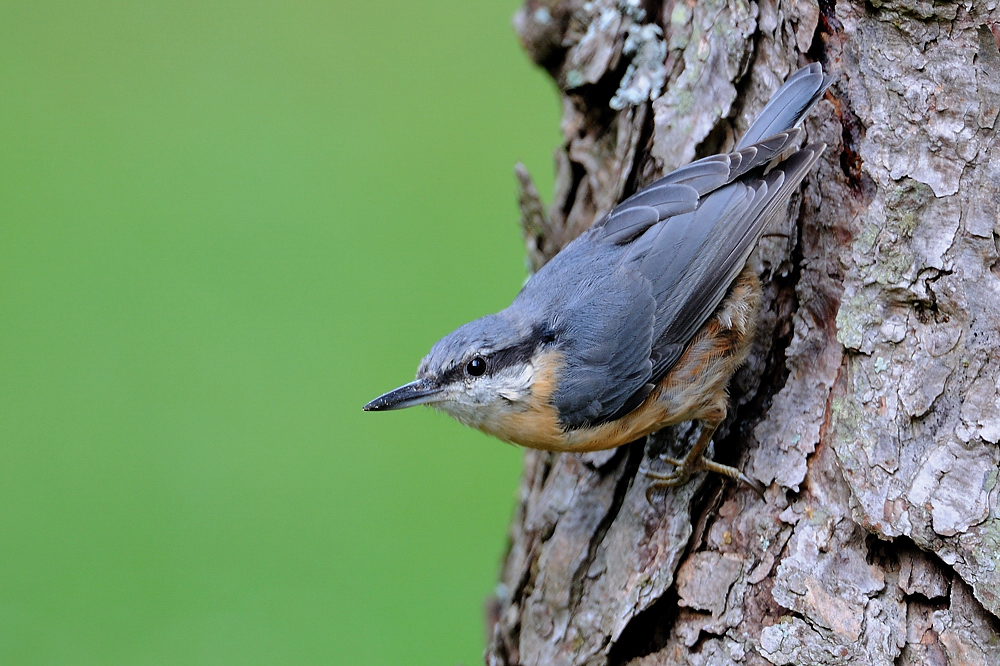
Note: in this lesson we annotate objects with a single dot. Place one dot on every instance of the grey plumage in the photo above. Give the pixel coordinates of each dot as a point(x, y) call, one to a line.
point(789, 105)
point(623, 300)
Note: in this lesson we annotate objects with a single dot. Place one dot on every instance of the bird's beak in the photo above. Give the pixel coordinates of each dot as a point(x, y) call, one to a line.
point(419, 392)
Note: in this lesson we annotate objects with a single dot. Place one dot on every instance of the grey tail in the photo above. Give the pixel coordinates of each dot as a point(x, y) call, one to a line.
point(789, 105)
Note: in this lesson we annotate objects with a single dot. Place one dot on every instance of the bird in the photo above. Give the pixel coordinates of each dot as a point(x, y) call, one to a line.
point(640, 322)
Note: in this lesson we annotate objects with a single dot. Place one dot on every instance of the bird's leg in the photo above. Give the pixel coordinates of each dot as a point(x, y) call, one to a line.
point(695, 461)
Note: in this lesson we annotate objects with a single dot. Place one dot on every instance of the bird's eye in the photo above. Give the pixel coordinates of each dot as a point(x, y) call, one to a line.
point(476, 367)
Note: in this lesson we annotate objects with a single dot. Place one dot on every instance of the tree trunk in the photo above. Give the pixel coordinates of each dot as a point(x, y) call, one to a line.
point(870, 405)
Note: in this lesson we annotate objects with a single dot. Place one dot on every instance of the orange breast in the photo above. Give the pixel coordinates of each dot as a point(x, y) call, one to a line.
point(536, 423)
point(695, 388)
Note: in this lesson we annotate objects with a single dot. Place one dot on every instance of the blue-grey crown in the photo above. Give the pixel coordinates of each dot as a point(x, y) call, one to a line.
point(484, 335)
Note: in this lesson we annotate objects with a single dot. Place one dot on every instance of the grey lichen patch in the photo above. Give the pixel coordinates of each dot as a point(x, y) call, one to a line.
point(986, 557)
point(905, 201)
point(680, 26)
point(594, 43)
point(708, 62)
point(632, 9)
point(847, 423)
point(857, 322)
point(644, 77)
point(574, 79)
point(884, 246)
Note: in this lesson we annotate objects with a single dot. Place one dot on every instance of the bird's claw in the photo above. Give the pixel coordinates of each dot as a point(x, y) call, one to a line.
point(690, 466)
point(682, 473)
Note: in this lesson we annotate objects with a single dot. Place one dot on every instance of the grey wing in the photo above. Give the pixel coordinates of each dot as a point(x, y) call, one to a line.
point(628, 327)
point(666, 226)
point(628, 321)
point(681, 192)
point(606, 324)
point(692, 259)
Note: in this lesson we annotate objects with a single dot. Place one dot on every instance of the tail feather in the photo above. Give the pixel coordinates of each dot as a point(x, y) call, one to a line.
point(789, 105)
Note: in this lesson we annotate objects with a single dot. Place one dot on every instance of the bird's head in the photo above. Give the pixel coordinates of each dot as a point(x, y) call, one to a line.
point(476, 374)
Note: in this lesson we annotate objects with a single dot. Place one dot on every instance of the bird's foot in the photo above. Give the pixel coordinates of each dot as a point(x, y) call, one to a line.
point(681, 474)
point(689, 466)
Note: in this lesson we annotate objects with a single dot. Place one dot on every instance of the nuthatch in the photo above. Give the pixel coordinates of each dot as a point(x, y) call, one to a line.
point(641, 321)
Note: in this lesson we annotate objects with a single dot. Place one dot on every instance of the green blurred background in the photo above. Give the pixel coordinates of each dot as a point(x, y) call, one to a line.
point(223, 228)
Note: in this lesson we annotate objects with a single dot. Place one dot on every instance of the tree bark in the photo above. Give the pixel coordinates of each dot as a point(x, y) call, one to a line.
point(870, 405)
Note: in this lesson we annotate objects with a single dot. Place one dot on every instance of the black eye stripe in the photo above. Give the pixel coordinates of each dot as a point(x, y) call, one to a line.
point(496, 361)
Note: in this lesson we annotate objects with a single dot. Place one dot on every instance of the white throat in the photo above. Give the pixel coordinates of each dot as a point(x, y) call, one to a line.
point(481, 402)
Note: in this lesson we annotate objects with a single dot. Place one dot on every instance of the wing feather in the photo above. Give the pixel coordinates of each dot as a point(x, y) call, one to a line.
point(737, 218)
point(789, 105)
point(659, 263)
point(634, 216)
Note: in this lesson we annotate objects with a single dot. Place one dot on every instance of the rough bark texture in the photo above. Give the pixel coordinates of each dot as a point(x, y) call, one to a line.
point(871, 402)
